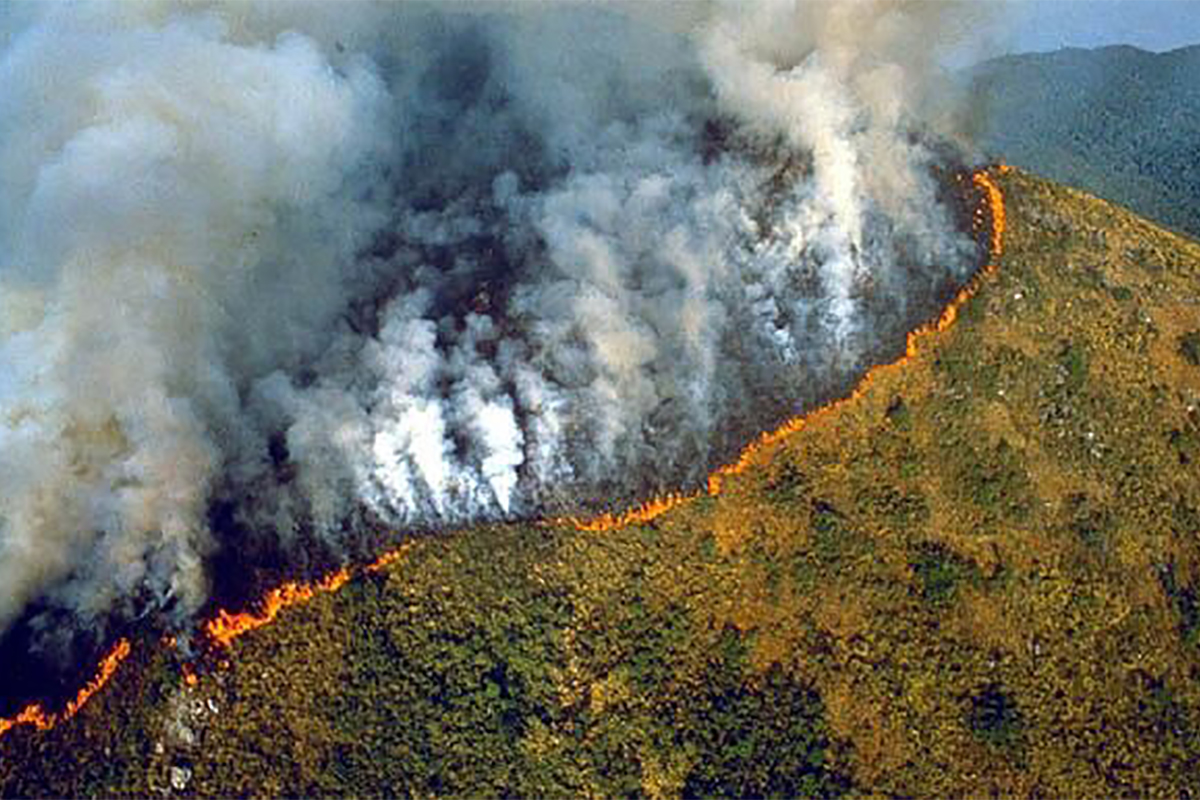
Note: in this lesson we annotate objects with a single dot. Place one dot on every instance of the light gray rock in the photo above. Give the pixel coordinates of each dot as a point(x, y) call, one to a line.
point(180, 776)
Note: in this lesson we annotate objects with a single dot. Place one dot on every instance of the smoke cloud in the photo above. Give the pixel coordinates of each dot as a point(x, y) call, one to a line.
point(268, 271)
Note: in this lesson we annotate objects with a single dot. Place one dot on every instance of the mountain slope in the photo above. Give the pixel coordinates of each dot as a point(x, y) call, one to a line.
point(980, 575)
point(1120, 122)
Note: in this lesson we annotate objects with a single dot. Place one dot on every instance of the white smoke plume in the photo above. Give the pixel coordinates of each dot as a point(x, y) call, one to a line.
point(269, 270)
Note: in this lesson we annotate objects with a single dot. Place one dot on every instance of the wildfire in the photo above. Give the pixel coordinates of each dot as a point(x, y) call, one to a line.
point(225, 627)
point(387, 558)
point(637, 515)
point(651, 509)
point(36, 716)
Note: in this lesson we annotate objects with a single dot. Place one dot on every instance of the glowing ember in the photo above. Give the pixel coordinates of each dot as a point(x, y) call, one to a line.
point(36, 716)
point(190, 678)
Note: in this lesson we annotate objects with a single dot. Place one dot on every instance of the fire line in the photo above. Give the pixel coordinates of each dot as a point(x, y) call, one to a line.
point(656, 507)
point(226, 627)
point(36, 716)
point(223, 629)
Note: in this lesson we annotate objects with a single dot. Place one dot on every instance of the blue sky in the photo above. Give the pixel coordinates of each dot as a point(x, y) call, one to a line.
point(1038, 25)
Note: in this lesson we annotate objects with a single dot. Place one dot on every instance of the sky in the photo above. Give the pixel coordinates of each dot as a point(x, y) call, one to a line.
point(1041, 25)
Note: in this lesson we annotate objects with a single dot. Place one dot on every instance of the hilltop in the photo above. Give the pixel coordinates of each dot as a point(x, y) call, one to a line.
point(1117, 121)
point(980, 575)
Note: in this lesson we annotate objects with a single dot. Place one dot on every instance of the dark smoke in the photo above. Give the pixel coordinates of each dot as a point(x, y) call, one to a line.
point(292, 266)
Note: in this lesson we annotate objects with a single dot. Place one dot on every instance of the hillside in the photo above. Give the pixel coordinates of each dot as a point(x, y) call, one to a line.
point(1117, 121)
point(980, 575)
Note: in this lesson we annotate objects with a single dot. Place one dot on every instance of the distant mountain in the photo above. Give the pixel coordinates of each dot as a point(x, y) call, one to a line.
point(1120, 122)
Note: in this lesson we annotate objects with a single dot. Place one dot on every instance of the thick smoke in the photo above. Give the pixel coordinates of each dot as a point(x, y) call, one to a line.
point(268, 271)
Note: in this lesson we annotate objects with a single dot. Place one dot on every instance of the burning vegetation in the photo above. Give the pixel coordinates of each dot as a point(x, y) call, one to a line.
point(981, 569)
point(509, 276)
point(37, 717)
point(225, 627)
point(988, 220)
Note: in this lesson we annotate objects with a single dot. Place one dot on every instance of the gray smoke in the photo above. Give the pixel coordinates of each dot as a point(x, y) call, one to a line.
point(427, 265)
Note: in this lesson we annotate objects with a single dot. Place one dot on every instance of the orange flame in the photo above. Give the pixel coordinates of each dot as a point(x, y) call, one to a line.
point(638, 515)
point(388, 558)
point(226, 627)
point(190, 678)
point(656, 507)
point(36, 716)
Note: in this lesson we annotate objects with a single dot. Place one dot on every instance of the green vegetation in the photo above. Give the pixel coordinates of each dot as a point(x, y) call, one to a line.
point(981, 577)
point(939, 573)
point(1189, 347)
point(1185, 597)
point(994, 719)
